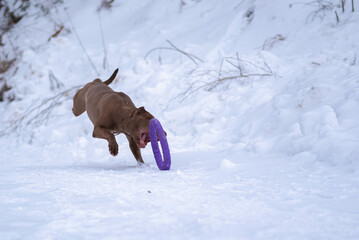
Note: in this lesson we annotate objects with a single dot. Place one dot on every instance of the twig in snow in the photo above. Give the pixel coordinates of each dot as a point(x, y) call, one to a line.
point(38, 113)
point(181, 5)
point(54, 81)
point(337, 17)
point(352, 5)
point(354, 60)
point(269, 42)
point(56, 33)
point(81, 44)
point(105, 60)
point(230, 69)
point(322, 6)
point(214, 84)
point(105, 4)
point(192, 57)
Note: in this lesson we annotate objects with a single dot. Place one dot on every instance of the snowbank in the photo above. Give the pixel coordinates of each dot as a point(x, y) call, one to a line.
point(265, 81)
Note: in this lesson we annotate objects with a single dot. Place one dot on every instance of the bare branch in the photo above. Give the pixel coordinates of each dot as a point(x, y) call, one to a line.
point(230, 69)
point(352, 5)
point(192, 57)
point(105, 60)
point(336, 16)
point(321, 7)
point(56, 33)
point(38, 112)
point(81, 44)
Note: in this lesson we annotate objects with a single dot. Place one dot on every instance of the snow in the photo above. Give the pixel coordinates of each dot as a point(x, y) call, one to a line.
point(272, 157)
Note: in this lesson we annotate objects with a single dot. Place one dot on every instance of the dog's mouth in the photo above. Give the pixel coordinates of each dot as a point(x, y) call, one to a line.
point(144, 139)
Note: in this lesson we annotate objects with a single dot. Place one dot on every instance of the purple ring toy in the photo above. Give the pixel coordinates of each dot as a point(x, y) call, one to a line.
point(155, 130)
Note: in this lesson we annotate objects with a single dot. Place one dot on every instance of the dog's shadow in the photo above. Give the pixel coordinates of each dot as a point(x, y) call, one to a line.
point(94, 167)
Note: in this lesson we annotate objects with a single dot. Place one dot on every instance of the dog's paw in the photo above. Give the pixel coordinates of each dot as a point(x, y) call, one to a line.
point(113, 147)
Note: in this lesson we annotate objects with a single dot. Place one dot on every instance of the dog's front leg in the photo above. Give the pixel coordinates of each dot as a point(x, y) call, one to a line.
point(136, 151)
point(104, 133)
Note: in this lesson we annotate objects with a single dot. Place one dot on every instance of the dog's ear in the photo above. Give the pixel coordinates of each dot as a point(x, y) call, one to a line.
point(140, 110)
point(79, 104)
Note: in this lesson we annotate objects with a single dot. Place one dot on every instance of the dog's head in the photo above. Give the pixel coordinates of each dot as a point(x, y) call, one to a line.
point(141, 122)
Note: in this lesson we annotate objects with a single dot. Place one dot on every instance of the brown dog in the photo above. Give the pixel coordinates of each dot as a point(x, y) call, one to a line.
point(113, 113)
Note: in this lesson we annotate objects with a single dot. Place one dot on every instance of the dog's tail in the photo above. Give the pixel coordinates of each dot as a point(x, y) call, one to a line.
point(108, 81)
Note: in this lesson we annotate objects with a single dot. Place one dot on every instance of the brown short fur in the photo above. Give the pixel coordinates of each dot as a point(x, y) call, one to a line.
point(113, 113)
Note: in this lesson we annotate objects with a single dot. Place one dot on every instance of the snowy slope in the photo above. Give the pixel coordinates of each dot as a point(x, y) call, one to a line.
point(272, 154)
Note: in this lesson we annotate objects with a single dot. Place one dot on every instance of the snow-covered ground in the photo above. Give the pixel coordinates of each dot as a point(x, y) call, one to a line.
point(273, 154)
